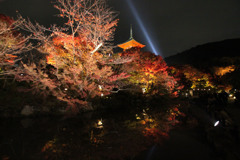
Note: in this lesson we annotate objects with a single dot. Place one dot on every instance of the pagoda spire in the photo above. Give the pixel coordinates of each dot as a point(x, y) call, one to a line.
point(131, 32)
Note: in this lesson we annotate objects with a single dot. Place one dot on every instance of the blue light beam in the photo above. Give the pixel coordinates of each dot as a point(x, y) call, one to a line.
point(144, 30)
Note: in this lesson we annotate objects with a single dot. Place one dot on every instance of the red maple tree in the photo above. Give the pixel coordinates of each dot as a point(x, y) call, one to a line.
point(12, 43)
point(78, 53)
point(149, 72)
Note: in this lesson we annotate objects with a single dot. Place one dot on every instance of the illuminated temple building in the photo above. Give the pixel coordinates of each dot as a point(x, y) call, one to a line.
point(131, 43)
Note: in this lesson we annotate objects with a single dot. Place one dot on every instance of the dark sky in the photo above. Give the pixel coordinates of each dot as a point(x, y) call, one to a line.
point(173, 25)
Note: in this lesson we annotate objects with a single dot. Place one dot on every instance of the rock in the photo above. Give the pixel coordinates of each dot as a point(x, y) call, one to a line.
point(27, 122)
point(27, 110)
point(45, 109)
point(61, 110)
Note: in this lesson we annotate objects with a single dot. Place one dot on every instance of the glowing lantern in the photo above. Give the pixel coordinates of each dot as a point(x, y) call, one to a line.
point(100, 124)
point(216, 123)
point(144, 112)
point(144, 90)
point(137, 117)
point(150, 120)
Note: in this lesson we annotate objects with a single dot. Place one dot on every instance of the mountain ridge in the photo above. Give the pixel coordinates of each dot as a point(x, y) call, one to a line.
point(208, 54)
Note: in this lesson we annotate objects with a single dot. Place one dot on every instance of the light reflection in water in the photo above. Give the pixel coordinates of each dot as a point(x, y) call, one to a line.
point(80, 137)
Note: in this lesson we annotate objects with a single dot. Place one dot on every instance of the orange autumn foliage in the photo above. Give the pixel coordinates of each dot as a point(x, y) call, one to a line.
point(149, 71)
point(220, 71)
point(76, 67)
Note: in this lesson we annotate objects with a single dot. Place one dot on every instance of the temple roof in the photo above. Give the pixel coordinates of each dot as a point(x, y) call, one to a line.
point(131, 43)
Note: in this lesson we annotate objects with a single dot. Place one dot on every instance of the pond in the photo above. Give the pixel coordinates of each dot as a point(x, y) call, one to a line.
point(137, 134)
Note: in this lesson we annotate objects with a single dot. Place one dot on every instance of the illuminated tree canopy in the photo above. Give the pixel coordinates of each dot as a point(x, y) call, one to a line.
point(195, 78)
point(150, 72)
point(76, 53)
point(11, 42)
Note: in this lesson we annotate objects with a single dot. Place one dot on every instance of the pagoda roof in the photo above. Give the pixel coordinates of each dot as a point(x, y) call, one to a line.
point(131, 43)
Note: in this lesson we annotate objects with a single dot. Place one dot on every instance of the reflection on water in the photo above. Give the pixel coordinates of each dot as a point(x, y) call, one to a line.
point(89, 136)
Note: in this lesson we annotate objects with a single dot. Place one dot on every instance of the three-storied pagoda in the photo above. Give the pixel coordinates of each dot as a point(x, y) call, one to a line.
point(131, 43)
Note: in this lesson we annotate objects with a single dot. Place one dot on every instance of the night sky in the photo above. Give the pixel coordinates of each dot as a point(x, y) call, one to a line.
point(173, 25)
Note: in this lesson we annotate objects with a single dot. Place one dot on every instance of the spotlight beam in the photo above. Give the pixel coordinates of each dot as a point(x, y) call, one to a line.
point(143, 28)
